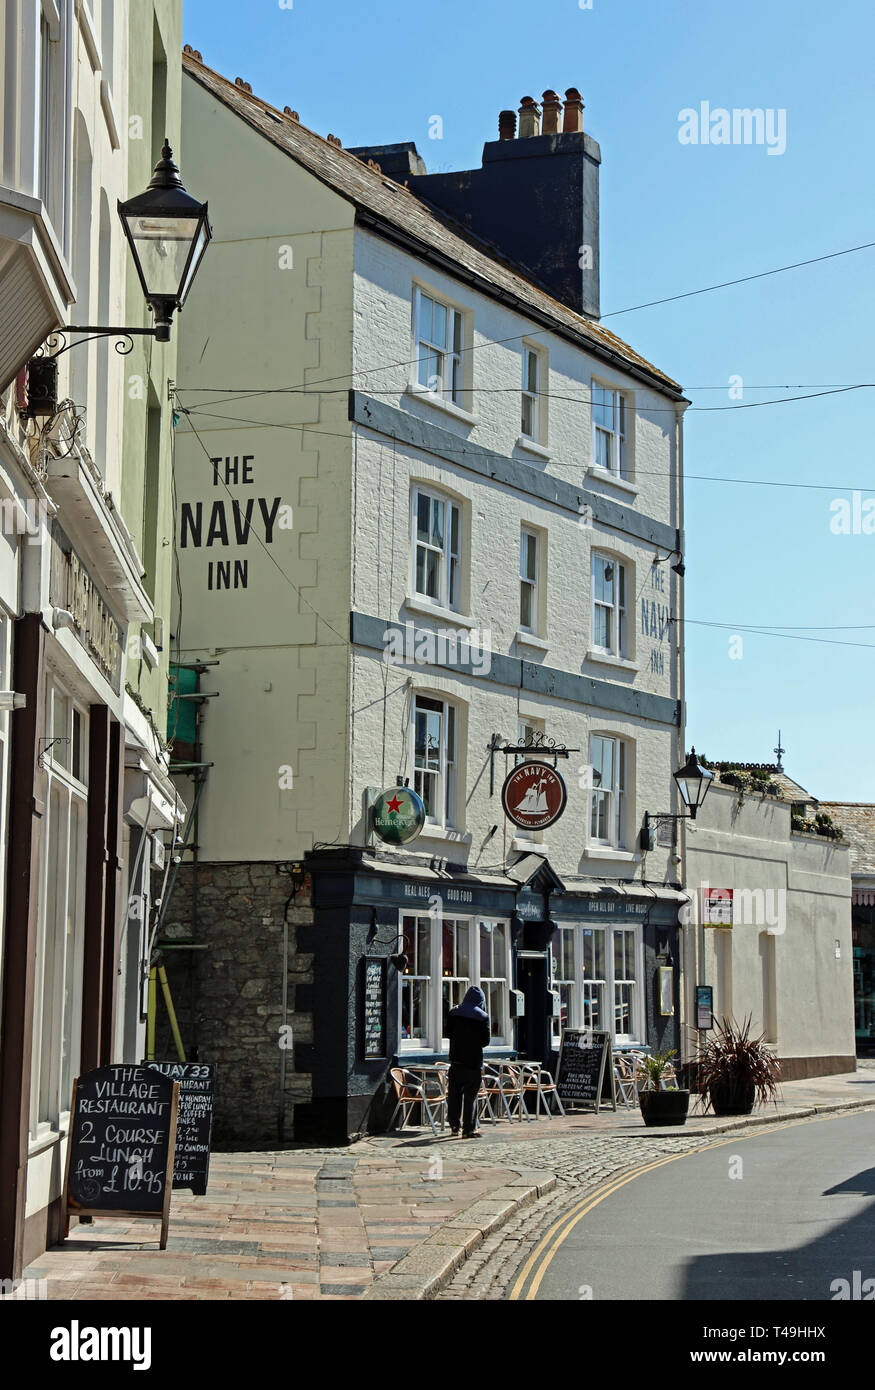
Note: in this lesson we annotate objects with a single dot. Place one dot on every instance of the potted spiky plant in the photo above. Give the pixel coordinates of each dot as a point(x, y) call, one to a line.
point(736, 1071)
point(658, 1106)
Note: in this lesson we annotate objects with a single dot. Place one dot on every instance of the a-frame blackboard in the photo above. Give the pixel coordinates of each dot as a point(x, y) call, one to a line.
point(585, 1075)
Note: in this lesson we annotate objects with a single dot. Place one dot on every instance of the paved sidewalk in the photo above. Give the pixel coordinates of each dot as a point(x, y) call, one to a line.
point(310, 1223)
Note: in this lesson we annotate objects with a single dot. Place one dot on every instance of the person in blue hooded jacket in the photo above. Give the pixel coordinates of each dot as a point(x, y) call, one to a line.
point(468, 1031)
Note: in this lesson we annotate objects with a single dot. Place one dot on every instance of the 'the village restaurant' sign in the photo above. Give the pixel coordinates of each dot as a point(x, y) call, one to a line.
point(533, 795)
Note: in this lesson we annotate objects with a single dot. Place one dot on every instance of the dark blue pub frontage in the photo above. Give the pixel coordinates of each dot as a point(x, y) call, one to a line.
point(395, 944)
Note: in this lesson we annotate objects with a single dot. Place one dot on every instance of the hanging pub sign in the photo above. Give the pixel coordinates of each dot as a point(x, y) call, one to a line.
point(533, 795)
point(399, 815)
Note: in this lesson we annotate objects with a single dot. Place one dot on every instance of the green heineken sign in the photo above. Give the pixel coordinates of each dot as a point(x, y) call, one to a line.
point(399, 815)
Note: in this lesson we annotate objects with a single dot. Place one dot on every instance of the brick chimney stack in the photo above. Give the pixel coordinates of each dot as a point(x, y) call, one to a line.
point(535, 196)
point(530, 118)
point(573, 110)
point(552, 110)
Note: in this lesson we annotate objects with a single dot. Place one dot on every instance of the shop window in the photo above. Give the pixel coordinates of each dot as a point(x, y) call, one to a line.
point(597, 972)
point(445, 957)
point(416, 980)
point(564, 978)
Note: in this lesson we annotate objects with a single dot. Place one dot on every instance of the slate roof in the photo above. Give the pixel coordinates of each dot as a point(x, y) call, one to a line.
point(857, 819)
point(390, 207)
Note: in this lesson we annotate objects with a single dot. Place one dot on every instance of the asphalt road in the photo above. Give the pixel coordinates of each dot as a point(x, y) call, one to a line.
point(777, 1216)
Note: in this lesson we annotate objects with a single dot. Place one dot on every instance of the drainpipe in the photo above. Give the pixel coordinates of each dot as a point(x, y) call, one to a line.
point(689, 951)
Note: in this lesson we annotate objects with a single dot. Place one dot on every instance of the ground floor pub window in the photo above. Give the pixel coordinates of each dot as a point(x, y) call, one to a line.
point(445, 956)
point(597, 973)
point(57, 1014)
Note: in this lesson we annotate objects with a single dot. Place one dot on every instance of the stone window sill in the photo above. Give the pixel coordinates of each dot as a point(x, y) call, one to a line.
point(532, 447)
point(528, 639)
point(620, 663)
point(434, 610)
point(623, 856)
point(603, 475)
point(421, 393)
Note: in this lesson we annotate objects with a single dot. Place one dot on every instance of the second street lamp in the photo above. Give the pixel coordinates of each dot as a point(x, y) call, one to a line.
point(168, 231)
point(693, 782)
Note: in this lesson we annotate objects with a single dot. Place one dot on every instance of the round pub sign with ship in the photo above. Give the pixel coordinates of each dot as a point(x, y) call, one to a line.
point(399, 815)
point(533, 796)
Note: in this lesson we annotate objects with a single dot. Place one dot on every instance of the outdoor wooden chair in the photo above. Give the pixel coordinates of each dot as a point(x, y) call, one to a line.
point(537, 1079)
point(497, 1088)
point(624, 1081)
point(411, 1090)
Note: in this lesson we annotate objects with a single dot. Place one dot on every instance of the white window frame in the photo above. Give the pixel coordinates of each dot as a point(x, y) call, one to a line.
point(434, 1041)
point(445, 770)
point(617, 610)
point(438, 365)
point(531, 395)
point(603, 987)
point(449, 586)
point(530, 540)
point(618, 792)
point(610, 444)
point(60, 942)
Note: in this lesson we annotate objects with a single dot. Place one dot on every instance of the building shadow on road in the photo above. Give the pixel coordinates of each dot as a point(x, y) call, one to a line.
point(804, 1273)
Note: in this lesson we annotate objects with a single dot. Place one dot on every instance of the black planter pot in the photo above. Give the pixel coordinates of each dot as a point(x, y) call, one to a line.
point(732, 1097)
point(664, 1107)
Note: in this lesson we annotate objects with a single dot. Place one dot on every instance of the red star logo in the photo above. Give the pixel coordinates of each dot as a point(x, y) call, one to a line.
point(394, 805)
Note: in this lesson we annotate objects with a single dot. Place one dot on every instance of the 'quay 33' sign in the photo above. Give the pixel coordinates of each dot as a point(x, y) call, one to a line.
point(533, 795)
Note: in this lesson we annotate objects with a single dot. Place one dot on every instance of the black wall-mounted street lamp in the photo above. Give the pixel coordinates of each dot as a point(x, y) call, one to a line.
point(693, 782)
point(168, 232)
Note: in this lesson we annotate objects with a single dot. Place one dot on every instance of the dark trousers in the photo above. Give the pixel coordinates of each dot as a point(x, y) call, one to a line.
point(464, 1083)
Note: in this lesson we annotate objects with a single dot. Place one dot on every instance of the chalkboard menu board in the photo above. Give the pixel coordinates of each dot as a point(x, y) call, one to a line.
point(122, 1140)
point(374, 1009)
point(586, 1070)
point(197, 1084)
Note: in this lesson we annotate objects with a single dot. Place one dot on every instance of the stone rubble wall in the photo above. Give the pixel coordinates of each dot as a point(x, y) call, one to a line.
point(228, 998)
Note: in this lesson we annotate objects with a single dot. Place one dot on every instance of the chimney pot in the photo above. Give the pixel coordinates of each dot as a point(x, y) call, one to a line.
point(506, 125)
point(573, 110)
point(552, 110)
point(530, 118)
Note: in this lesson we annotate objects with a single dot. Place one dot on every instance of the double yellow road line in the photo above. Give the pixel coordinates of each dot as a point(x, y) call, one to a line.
point(530, 1277)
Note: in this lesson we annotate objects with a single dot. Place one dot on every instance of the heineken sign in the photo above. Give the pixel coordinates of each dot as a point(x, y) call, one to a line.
point(399, 815)
point(533, 795)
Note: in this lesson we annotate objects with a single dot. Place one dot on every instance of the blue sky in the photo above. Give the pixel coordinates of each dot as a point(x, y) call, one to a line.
point(674, 218)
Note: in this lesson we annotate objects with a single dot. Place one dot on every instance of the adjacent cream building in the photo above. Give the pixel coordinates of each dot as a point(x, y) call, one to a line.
point(85, 573)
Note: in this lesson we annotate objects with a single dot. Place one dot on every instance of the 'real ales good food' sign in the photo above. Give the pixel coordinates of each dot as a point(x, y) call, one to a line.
point(122, 1142)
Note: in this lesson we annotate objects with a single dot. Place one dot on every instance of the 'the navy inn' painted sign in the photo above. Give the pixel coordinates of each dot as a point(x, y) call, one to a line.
point(230, 521)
